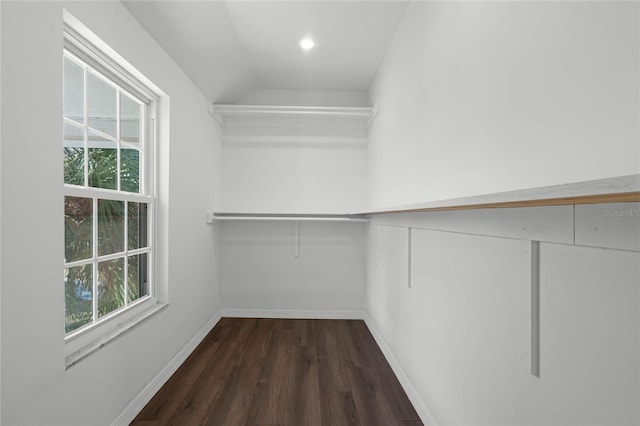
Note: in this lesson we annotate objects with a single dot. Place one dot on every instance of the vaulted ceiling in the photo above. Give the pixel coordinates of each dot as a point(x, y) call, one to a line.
point(231, 48)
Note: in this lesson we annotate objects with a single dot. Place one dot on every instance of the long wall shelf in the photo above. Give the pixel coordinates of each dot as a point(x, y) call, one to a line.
point(288, 217)
point(620, 189)
point(274, 124)
point(220, 111)
point(623, 189)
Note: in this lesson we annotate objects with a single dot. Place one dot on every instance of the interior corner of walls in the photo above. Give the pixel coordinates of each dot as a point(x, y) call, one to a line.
point(128, 414)
point(292, 313)
point(1, 156)
point(418, 403)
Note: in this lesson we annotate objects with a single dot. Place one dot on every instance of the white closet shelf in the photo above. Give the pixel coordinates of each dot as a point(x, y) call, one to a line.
point(269, 124)
point(222, 111)
point(620, 189)
point(289, 217)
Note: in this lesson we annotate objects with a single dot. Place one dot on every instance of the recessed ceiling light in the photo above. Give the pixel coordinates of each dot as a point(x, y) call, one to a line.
point(307, 43)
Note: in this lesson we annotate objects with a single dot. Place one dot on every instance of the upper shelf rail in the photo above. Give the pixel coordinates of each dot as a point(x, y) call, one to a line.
point(289, 217)
point(239, 110)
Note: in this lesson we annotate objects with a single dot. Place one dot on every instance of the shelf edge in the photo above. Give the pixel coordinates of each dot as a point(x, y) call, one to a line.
point(622, 189)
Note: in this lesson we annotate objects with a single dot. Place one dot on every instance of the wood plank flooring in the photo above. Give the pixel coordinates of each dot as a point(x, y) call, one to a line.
point(278, 372)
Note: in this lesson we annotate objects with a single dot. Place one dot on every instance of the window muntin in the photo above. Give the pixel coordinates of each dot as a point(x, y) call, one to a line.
point(108, 195)
point(103, 130)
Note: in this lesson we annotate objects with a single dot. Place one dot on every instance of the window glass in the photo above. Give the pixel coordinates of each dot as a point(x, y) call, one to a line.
point(129, 120)
point(103, 162)
point(110, 227)
point(101, 105)
point(73, 154)
point(78, 294)
point(130, 170)
point(137, 225)
point(107, 252)
point(137, 274)
point(78, 228)
point(73, 91)
point(110, 286)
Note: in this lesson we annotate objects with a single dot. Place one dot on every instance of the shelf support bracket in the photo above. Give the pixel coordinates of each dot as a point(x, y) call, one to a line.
point(409, 237)
point(535, 308)
point(296, 240)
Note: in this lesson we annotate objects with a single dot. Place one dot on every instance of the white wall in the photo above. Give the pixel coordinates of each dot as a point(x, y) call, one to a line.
point(461, 332)
point(0, 220)
point(471, 93)
point(260, 270)
point(36, 389)
point(316, 177)
point(293, 164)
point(343, 98)
point(481, 97)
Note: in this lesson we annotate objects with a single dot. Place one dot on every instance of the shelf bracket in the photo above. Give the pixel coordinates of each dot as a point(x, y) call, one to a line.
point(296, 240)
point(535, 308)
point(409, 237)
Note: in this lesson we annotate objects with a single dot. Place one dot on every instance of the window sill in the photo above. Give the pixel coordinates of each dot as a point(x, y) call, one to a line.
point(80, 354)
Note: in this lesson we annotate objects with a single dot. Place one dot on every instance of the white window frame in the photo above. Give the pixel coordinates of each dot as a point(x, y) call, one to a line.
point(89, 337)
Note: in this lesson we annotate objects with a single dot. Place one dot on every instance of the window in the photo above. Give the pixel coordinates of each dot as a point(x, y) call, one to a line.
point(108, 188)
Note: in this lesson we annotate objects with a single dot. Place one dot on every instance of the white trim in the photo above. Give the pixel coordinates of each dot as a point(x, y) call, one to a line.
point(218, 217)
point(274, 125)
point(114, 71)
point(264, 110)
point(105, 194)
point(83, 53)
point(412, 393)
point(106, 338)
point(291, 141)
point(137, 404)
point(291, 313)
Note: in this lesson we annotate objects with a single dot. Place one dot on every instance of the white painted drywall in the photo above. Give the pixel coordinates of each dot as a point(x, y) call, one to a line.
point(461, 332)
point(589, 336)
point(295, 164)
point(335, 98)
point(0, 220)
point(609, 225)
point(260, 270)
point(482, 97)
point(36, 389)
point(294, 177)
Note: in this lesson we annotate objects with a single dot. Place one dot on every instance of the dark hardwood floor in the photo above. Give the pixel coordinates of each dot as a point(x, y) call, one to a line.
point(251, 372)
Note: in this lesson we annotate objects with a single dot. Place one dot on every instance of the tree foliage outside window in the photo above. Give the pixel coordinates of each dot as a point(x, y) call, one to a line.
point(106, 210)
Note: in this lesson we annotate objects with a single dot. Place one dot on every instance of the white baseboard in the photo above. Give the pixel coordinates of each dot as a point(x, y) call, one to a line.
point(138, 403)
point(411, 392)
point(291, 314)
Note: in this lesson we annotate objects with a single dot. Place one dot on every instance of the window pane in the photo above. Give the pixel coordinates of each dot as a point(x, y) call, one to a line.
point(129, 120)
point(101, 105)
point(110, 227)
point(130, 170)
point(103, 163)
point(104, 148)
point(73, 155)
point(78, 228)
point(137, 275)
point(73, 91)
point(110, 286)
point(78, 294)
point(137, 225)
